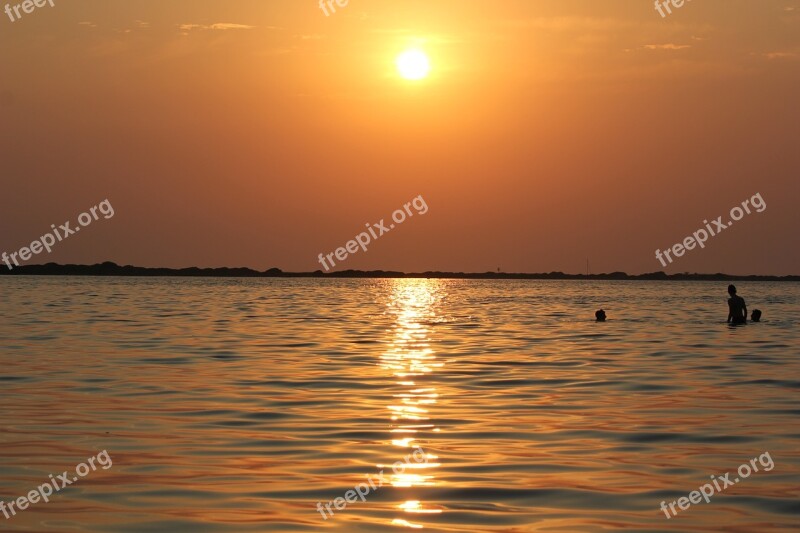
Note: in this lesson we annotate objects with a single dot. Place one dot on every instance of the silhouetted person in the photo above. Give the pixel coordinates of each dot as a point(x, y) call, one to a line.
point(755, 316)
point(600, 315)
point(737, 310)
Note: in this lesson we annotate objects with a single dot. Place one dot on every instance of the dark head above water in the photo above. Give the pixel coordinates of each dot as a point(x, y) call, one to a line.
point(731, 289)
point(755, 316)
point(600, 315)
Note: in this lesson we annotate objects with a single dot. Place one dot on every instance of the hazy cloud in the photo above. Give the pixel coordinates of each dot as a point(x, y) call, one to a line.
point(668, 46)
point(217, 26)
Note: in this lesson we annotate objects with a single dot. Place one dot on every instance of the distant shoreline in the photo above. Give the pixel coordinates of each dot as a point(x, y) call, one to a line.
point(112, 269)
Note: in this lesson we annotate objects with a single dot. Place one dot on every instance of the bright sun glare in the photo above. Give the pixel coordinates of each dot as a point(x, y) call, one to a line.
point(413, 64)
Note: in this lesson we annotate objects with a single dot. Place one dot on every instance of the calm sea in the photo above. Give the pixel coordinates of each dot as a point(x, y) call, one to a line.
point(238, 404)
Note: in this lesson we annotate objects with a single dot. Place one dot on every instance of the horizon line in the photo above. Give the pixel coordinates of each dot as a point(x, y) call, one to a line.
point(109, 268)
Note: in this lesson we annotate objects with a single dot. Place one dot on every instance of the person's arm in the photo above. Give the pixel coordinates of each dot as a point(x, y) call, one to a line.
point(730, 311)
point(744, 306)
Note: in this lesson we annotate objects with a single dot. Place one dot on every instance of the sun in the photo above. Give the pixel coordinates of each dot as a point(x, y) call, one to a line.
point(413, 64)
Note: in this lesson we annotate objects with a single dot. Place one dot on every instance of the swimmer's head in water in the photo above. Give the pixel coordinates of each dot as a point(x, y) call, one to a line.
point(755, 316)
point(600, 315)
point(731, 289)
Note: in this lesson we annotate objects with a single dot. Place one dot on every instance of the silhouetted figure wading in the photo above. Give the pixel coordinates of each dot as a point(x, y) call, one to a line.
point(737, 309)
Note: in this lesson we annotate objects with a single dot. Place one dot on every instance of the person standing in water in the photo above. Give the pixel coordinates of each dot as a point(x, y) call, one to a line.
point(737, 309)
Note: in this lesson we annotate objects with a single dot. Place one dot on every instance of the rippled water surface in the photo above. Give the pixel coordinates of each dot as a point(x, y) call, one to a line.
point(239, 404)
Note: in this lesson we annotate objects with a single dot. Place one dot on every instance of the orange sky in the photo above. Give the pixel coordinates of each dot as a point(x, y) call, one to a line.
point(262, 133)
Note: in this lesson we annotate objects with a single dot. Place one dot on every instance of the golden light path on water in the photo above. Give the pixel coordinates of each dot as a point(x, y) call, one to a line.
point(252, 405)
point(409, 359)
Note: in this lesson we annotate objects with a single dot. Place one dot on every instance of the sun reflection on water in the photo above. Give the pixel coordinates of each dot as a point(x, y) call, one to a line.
point(411, 361)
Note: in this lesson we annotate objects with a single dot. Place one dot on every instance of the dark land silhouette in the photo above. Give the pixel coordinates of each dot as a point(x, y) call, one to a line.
point(112, 269)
